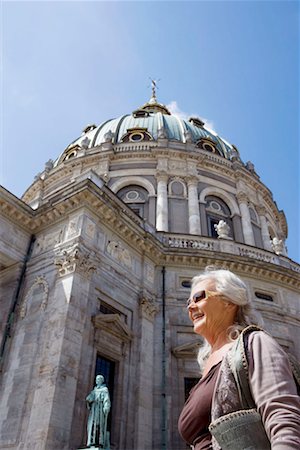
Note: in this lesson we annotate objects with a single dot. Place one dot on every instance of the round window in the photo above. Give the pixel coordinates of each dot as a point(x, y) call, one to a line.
point(209, 147)
point(136, 137)
point(214, 205)
point(71, 155)
point(132, 195)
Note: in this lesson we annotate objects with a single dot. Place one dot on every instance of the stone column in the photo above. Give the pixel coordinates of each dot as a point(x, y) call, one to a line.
point(162, 203)
point(203, 219)
point(193, 203)
point(145, 381)
point(261, 210)
point(52, 408)
point(246, 220)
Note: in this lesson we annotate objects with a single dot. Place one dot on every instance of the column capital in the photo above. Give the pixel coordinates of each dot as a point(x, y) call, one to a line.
point(148, 305)
point(74, 259)
point(242, 197)
point(161, 175)
point(192, 180)
point(261, 210)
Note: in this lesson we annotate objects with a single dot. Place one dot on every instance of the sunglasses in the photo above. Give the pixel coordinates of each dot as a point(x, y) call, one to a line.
point(201, 295)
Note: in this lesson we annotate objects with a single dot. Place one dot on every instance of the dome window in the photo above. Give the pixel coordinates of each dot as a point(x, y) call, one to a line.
point(208, 145)
point(71, 152)
point(89, 128)
point(136, 135)
point(196, 121)
point(140, 113)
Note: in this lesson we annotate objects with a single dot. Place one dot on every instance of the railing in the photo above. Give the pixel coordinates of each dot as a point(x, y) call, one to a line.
point(130, 147)
point(226, 246)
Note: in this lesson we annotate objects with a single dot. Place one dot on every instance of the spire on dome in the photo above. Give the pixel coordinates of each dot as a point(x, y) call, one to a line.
point(153, 99)
point(153, 105)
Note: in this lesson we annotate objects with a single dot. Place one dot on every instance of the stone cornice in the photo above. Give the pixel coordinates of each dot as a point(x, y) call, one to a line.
point(191, 252)
point(16, 210)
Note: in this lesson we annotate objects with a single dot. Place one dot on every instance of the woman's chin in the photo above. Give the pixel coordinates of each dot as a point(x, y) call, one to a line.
point(199, 326)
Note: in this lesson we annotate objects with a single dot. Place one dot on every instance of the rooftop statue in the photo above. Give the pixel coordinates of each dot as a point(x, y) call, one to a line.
point(222, 229)
point(98, 402)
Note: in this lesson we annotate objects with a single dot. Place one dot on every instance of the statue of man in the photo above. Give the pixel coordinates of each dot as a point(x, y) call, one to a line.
point(98, 402)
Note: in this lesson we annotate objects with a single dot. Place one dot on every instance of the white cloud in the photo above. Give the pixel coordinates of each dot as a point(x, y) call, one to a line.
point(174, 109)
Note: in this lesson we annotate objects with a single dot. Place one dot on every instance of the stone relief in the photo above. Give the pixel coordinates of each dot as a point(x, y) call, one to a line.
point(74, 259)
point(148, 307)
point(73, 229)
point(39, 295)
point(119, 253)
point(149, 273)
point(162, 165)
point(47, 241)
point(222, 229)
point(177, 165)
point(89, 228)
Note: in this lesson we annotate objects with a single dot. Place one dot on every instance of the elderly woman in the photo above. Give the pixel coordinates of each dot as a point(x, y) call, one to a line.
point(220, 309)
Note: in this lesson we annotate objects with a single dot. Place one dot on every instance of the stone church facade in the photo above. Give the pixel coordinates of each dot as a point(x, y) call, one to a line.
point(96, 261)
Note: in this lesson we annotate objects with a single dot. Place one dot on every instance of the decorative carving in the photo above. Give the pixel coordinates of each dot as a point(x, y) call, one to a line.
point(177, 165)
point(261, 210)
point(148, 306)
point(192, 180)
point(277, 246)
point(162, 165)
point(90, 228)
point(73, 229)
point(118, 252)
point(222, 229)
point(74, 259)
point(149, 273)
point(47, 241)
point(39, 281)
point(242, 197)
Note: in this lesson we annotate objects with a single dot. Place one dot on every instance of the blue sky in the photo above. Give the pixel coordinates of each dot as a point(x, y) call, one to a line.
point(68, 64)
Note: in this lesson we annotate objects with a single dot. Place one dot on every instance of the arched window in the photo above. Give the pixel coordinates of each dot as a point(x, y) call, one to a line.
point(255, 227)
point(216, 210)
point(137, 199)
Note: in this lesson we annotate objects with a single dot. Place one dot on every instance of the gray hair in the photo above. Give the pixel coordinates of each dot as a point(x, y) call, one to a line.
point(235, 291)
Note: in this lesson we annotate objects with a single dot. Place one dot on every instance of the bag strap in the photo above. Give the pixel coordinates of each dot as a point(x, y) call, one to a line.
point(239, 366)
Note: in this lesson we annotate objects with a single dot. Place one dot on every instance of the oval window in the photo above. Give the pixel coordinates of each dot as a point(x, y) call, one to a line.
point(136, 137)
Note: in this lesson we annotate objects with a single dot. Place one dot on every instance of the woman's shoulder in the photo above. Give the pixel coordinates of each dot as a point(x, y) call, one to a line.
point(260, 345)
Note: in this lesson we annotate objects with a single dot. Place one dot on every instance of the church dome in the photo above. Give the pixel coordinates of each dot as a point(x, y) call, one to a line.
point(150, 122)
